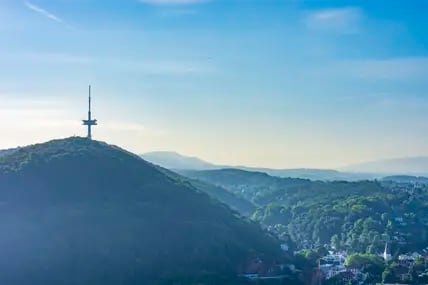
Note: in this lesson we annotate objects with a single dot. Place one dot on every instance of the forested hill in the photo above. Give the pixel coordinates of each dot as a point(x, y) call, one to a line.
point(251, 185)
point(356, 216)
point(4, 152)
point(235, 202)
point(76, 211)
point(406, 179)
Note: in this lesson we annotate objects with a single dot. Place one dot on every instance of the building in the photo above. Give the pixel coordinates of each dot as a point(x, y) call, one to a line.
point(332, 264)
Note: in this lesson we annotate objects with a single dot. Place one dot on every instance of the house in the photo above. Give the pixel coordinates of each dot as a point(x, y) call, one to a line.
point(330, 270)
point(335, 258)
point(405, 260)
point(408, 259)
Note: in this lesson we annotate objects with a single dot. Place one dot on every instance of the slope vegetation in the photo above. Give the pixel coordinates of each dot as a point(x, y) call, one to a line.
point(356, 216)
point(75, 211)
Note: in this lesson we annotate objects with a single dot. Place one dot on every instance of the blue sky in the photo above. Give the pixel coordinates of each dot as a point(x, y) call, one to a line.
point(286, 83)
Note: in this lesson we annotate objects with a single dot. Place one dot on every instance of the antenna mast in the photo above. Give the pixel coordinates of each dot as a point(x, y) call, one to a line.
point(89, 122)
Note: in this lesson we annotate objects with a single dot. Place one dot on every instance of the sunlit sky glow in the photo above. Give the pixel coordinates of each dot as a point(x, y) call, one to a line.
point(286, 83)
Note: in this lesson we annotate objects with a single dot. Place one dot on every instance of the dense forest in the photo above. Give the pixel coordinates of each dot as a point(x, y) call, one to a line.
point(80, 211)
point(354, 216)
point(76, 211)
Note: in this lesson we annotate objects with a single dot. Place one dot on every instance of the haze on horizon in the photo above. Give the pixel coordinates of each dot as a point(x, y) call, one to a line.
point(279, 84)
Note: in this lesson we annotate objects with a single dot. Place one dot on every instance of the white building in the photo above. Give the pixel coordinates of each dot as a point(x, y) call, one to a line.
point(333, 264)
point(335, 258)
point(330, 270)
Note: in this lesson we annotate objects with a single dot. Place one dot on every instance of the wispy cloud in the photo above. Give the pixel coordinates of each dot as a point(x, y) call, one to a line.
point(389, 99)
point(151, 67)
point(25, 113)
point(46, 58)
point(172, 2)
point(407, 68)
point(176, 12)
point(345, 20)
point(164, 67)
point(396, 71)
point(53, 114)
point(124, 126)
point(43, 12)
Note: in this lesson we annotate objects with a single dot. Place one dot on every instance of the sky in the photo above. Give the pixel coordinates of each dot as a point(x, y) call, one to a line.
point(272, 83)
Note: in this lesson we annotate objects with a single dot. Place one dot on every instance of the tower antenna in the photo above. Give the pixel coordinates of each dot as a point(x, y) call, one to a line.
point(89, 122)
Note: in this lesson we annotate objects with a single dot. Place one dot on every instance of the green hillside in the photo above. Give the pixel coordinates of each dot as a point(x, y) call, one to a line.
point(75, 211)
point(250, 185)
point(235, 202)
point(406, 179)
point(356, 216)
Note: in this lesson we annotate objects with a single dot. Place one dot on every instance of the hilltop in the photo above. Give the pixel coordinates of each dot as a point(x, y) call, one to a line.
point(76, 211)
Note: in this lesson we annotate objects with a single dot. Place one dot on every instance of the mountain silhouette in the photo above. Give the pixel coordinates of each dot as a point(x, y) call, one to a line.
point(407, 166)
point(76, 211)
point(177, 162)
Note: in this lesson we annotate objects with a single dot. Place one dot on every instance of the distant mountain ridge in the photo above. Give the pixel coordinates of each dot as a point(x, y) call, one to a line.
point(313, 174)
point(176, 161)
point(411, 166)
point(406, 179)
point(415, 166)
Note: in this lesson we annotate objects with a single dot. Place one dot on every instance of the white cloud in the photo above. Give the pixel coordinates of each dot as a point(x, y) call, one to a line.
point(172, 2)
point(165, 67)
point(345, 20)
point(153, 67)
point(43, 12)
point(24, 109)
point(404, 69)
point(46, 58)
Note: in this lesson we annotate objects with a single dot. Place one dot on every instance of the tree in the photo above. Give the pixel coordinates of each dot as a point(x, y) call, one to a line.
point(384, 217)
point(321, 251)
point(388, 276)
point(371, 264)
point(371, 249)
point(335, 242)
